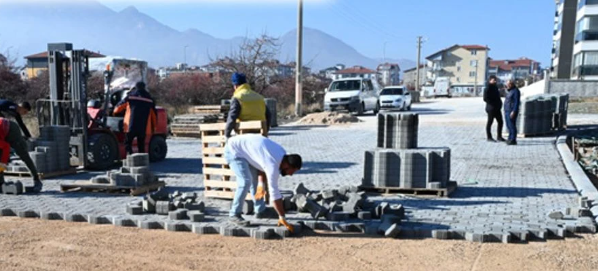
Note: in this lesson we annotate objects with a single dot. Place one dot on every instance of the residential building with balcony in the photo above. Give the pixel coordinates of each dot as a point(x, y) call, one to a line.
point(464, 65)
point(585, 48)
point(389, 74)
point(522, 68)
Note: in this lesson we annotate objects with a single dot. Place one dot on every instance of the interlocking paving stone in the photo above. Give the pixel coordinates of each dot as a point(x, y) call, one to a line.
point(513, 185)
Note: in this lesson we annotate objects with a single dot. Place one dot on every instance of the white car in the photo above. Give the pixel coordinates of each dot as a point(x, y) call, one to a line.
point(395, 97)
point(352, 94)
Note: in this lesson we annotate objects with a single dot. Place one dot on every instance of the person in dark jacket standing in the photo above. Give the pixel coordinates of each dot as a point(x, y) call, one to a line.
point(10, 109)
point(493, 109)
point(140, 117)
point(512, 102)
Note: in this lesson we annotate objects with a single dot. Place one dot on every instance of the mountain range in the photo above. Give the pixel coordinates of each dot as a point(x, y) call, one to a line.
point(26, 28)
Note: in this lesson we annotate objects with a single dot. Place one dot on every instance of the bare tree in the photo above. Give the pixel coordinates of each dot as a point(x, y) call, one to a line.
point(256, 59)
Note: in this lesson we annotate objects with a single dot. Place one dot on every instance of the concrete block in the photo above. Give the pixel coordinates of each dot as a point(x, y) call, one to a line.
point(519, 235)
point(149, 205)
point(556, 215)
point(441, 234)
point(151, 225)
point(74, 217)
point(177, 226)
point(381, 209)
point(393, 231)
point(457, 234)
point(138, 160)
point(315, 209)
point(262, 234)
point(338, 216)
point(477, 237)
point(326, 225)
point(247, 207)
point(288, 204)
point(228, 230)
point(203, 228)
point(281, 232)
point(300, 189)
point(98, 220)
point(364, 215)
point(353, 204)
point(28, 214)
point(329, 194)
point(134, 209)
point(100, 180)
point(350, 227)
point(120, 221)
point(48, 215)
point(12, 188)
point(387, 222)
point(537, 233)
point(164, 207)
point(371, 228)
point(179, 214)
point(196, 216)
point(189, 195)
point(195, 206)
point(394, 209)
point(268, 213)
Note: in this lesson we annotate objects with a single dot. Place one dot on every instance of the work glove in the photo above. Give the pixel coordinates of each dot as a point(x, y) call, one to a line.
point(260, 192)
point(282, 221)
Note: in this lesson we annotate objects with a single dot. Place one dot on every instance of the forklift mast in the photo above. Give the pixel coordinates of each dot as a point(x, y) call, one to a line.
point(67, 104)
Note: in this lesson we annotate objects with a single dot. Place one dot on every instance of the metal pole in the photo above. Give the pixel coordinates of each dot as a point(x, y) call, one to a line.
point(419, 48)
point(185, 58)
point(475, 80)
point(299, 68)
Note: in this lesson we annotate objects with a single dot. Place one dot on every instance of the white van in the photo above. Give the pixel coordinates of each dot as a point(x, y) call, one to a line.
point(442, 87)
point(352, 94)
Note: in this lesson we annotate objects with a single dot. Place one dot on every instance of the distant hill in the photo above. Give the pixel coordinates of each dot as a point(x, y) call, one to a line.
point(27, 28)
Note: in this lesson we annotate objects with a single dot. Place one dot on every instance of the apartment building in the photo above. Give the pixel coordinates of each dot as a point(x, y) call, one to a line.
point(465, 66)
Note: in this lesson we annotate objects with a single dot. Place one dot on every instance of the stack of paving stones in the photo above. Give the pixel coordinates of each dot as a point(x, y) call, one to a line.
point(50, 152)
point(271, 104)
point(543, 114)
point(344, 210)
point(135, 172)
point(399, 163)
point(177, 206)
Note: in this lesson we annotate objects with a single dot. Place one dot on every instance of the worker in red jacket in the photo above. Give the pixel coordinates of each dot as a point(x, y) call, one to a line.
point(10, 136)
point(140, 117)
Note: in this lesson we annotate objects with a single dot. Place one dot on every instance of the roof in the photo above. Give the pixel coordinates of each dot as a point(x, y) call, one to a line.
point(45, 55)
point(507, 65)
point(421, 66)
point(356, 69)
point(466, 47)
point(388, 66)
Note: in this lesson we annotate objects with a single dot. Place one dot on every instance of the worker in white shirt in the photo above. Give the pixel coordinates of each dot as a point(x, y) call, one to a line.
point(249, 155)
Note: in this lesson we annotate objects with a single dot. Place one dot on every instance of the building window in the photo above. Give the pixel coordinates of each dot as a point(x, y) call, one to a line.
point(585, 63)
point(473, 63)
point(472, 74)
point(474, 52)
point(458, 68)
point(586, 29)
point(582, 3)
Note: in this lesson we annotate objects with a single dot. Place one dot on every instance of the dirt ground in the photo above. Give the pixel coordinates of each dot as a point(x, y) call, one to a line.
point(33, 244)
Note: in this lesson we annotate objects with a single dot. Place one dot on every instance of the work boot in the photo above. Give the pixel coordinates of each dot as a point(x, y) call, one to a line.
point(512, 142)
point(37, 186)
point(501, 139)
point(238, 220)
point(490, 139)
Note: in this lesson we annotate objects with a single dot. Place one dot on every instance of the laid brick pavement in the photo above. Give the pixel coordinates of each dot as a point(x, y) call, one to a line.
point(502, 188)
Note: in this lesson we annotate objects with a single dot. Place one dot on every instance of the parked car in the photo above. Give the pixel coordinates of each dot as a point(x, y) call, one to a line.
point(357, 95)
point(395, 97)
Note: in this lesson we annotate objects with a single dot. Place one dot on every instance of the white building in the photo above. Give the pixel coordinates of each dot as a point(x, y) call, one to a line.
point(389, 74)
point(356, 71)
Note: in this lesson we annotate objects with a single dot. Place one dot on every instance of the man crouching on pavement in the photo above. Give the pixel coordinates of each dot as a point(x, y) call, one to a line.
point(247, 156)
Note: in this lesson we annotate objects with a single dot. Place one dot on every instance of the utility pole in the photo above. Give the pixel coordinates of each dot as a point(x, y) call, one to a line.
point(475, 80)
point(185, 58)
point(299, 68)
point(419, 49)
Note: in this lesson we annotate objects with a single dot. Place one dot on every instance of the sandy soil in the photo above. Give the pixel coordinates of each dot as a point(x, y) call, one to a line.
point(33, 244)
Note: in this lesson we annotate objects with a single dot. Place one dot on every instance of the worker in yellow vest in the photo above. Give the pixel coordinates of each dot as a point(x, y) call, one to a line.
point(247, 105)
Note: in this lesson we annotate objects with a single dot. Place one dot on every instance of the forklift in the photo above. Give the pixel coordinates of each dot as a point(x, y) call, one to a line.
point(97, 138)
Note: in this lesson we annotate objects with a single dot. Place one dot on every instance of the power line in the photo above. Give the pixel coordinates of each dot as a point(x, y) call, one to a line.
point(373, 23)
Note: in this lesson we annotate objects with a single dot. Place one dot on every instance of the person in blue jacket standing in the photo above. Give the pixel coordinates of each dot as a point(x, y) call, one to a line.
point(511, 108)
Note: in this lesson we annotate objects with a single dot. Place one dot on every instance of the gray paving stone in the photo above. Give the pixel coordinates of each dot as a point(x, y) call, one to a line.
point(151, 225)
point(124, 222)
point(98, 219)
point(203, 228)
point(48, 215)
point(75, 217)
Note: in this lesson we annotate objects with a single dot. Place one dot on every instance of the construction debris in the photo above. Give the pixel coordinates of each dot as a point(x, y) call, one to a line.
point(178, 206)
point(329, 118)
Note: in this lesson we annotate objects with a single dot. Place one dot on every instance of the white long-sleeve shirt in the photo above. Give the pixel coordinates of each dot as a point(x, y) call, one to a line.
point(263, 154)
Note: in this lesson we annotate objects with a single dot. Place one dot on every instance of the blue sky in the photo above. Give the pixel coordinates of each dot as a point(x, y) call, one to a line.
point(511, 28)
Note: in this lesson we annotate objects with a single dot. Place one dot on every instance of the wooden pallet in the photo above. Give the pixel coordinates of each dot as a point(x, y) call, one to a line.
point(88, 186)
point(441, 192)
point(217, 175)
point(210, 109)
point(42, 176)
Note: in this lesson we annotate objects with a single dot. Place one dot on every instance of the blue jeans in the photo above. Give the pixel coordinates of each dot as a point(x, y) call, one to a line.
point(511, 126)
point(246, 176)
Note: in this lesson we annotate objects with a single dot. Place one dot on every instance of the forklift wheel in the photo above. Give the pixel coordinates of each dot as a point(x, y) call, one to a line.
point(157, 149)
point(102, 151)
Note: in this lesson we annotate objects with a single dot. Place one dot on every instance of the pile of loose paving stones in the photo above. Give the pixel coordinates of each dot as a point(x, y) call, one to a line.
point(49, 153)
point(135, 172)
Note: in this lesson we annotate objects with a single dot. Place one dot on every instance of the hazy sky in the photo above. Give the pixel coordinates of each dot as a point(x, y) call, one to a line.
point(511, 28)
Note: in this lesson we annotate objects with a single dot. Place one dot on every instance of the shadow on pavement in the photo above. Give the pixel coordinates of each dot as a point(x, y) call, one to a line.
point(323, 167)
point(463, 192)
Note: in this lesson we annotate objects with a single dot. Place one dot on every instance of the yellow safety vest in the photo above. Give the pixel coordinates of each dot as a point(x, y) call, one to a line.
point(253, 106)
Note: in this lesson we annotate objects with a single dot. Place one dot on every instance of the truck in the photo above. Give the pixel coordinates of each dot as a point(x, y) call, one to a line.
point(442, 87)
